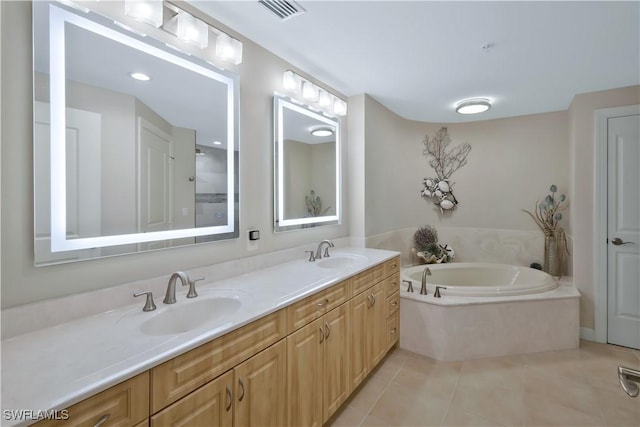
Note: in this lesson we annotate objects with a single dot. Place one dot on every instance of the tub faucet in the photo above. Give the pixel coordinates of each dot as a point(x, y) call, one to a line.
point(170, 297)
point(423, 288)
point(437, 293)
point(319, 253)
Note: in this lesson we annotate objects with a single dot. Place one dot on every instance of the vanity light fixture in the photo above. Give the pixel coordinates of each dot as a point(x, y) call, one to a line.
point(310, 91)
point(299, 89)
point(228, 48)
point(186, 27)
point(322, 131)
point(290, 81)
point(473, 106)
point(140, 76)
point(147, 11)
point(189, 29)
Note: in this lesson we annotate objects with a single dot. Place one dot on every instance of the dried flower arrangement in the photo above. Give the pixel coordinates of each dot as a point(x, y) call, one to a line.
point(314, 205)
point(445, 162)
point(547, 215)
point(426, 247)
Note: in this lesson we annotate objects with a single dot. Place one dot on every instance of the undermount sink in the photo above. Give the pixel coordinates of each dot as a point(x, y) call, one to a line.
point(209, 312)
point(340, 261)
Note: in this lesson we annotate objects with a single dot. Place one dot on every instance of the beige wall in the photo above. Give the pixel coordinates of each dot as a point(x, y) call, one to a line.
point(582, 127)
point(260, 75)
point(512, 163)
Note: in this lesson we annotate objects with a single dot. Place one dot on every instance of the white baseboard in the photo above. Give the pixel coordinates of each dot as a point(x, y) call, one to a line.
point(587, 334)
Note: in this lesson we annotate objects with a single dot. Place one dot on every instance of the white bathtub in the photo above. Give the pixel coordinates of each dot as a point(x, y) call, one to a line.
point(487, 310)
point(473, 279)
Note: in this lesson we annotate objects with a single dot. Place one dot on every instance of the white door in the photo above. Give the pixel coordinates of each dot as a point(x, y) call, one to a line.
point(83, 190)
point(623, 231)
point(155, 181)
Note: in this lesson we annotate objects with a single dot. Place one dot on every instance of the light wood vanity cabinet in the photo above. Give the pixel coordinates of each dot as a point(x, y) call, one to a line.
point(373, 315)
point(317, 372)
point(122, 405)
point(293, 367)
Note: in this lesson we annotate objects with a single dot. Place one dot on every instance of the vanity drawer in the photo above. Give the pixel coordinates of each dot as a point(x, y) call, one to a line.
point(392, 266)
point(393, 329)
point(183, 374)
point(366, 279)
point(123, 405)
point(392, 284)
point(310, 308)
point(393, 303)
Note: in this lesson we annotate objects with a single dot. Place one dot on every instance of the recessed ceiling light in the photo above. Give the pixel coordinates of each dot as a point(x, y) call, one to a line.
point(473, 106)
point(322, 131)
point(140, 76)
point(217, 143)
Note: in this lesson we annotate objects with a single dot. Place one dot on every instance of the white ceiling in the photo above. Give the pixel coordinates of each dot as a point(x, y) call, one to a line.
point(418, 58)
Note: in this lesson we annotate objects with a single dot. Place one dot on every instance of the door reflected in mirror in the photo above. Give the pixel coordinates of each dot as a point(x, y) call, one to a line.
point(135, 144)
point(307, 167)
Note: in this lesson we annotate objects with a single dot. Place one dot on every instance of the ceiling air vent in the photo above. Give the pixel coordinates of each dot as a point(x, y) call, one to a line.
point(283, 9)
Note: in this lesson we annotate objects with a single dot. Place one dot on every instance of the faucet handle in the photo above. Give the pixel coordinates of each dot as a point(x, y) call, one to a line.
point(149, 305)
point(437, 292)
point(326, 251)
point(192, 287)
point(410, 287)
point(312, 257)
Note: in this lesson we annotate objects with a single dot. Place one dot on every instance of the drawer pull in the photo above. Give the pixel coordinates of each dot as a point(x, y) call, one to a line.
point(393, 331)
point(321, 334)
point(230, 399)
point(103, 419)
point(242, 387)
point(323, 303)
point(326, 325)
point(394, 303)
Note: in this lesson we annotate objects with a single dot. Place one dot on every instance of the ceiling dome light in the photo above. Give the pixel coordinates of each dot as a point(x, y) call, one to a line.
point(140, 76)
point(473, 106)
point(322, 131)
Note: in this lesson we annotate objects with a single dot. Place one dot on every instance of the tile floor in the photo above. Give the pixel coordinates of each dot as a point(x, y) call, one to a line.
point(558, 388)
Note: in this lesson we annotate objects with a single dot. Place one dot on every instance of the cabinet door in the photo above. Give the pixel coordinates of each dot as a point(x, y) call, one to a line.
point(261, 388)
point(336, 359)
point(304, 375)
point(359, 307)
point(210, 405)
point(376, 325)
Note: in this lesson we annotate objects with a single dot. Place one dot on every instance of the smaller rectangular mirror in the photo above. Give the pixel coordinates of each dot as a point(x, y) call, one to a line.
point(307, 167)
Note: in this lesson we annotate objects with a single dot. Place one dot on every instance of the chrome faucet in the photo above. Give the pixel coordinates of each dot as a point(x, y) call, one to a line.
point(423, 288)
point(319, 253)
point(170, 297)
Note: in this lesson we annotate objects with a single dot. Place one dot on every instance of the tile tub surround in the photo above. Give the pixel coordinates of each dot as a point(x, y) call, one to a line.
point(577, 387)
point(515, 247)
point(54, 367)
point(464, 328)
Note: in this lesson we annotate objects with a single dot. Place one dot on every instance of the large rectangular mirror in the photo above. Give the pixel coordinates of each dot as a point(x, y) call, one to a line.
point(135, 143)
point(307, 167)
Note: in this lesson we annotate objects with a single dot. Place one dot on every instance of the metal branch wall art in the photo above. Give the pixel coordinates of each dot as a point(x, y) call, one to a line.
point(445, 161)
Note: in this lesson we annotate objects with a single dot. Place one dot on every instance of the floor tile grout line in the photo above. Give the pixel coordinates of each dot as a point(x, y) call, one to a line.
point(368, 412)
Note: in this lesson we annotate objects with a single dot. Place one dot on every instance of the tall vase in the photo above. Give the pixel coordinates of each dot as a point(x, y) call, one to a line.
point(551, 256)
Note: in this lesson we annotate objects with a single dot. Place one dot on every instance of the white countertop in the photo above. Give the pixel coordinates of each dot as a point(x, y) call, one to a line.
point(56, 367)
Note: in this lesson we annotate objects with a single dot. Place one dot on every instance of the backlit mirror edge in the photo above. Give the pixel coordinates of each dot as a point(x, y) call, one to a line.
point(285, 225)
point(59, 243)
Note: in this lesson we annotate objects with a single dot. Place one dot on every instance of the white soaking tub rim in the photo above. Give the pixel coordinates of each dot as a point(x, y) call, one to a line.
point(479, 279)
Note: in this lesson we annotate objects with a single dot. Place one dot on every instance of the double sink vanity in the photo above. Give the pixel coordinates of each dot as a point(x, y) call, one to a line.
point(285, 345)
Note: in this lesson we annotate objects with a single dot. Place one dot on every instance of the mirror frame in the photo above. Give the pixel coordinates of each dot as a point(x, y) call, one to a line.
point(280, 222)
point(58, 16)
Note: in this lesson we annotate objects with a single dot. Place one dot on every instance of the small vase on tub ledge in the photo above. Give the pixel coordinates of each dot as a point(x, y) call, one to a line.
point(547, 215)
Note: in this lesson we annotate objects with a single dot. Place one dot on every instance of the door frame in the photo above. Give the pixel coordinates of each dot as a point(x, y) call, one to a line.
point(600, 214)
